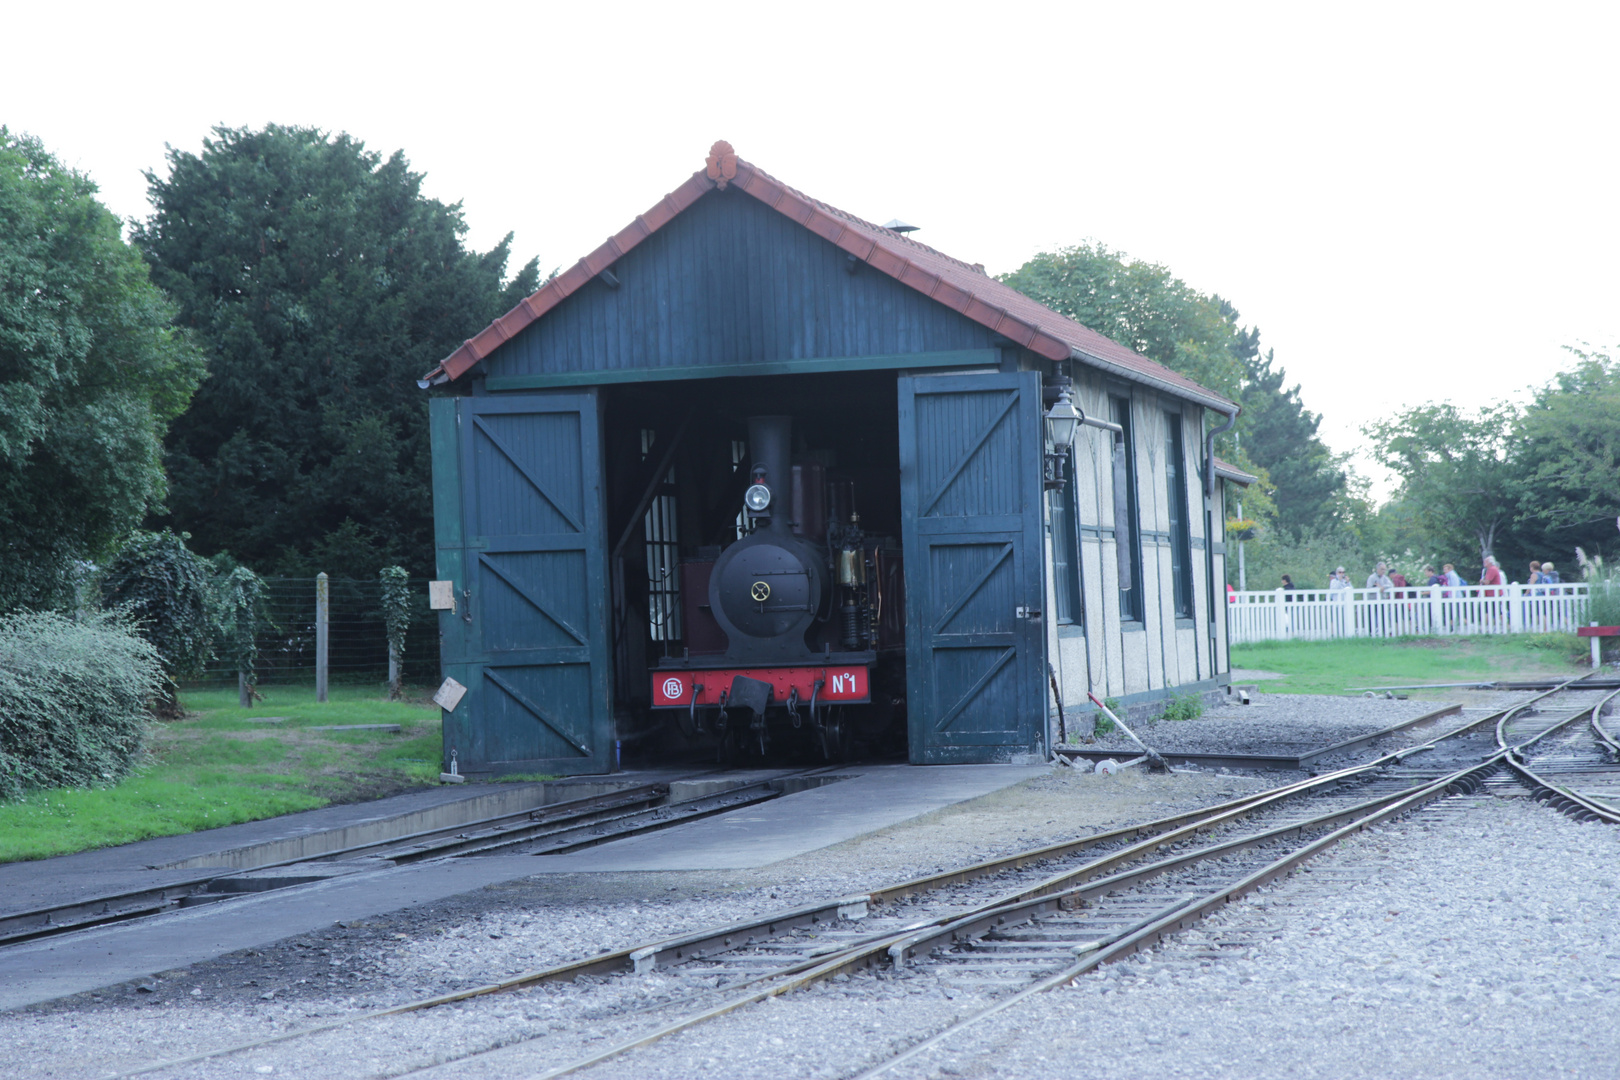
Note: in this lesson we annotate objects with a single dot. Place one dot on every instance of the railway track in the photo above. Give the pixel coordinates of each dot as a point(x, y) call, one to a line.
point(1030, 921)
point(548, 830)
point(1560, 760)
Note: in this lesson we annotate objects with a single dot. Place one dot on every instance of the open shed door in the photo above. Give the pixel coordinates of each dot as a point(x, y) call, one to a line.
point(970, 490)
point(520, 533)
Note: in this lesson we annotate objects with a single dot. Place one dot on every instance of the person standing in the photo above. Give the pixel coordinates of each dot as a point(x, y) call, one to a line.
point(1453, 578)
point(1379, 579)
point(1339, 584)
point(1492, 574)
point(1398, 579)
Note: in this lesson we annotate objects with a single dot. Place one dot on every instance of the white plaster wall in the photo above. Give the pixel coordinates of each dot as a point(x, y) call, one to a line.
point(1161, 654)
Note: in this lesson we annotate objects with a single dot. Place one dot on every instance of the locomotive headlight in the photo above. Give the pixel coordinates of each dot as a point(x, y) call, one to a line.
point(757, 498)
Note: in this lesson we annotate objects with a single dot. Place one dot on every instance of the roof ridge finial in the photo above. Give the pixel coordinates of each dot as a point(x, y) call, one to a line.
point(722, 162)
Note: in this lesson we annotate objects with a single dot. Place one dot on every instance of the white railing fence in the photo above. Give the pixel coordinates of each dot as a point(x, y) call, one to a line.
point(1317, 614)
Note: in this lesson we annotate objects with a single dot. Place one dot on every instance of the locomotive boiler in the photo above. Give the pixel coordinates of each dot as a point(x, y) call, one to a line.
point(798, 624)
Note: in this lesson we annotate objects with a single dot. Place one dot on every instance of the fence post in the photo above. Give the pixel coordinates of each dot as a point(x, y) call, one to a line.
point(1436, 626)
point(1281, 621)
point(323, 612)
point(1515, 608)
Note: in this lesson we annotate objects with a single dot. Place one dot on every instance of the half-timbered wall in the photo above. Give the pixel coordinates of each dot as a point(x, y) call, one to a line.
point(1162, 653)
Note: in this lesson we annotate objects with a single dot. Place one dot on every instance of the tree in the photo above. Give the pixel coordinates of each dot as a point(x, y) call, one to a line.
point(1567, 451)
point(1304, 489)
point(92, 371)
point(1456, 476)
point(323, 284)
point(1309, 482)
point(1142, 305)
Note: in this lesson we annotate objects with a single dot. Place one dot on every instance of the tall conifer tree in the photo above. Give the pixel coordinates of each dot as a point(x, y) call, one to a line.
point(323, 284)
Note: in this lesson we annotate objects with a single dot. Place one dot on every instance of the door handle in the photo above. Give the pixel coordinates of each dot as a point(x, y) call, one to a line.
point(1028, 612)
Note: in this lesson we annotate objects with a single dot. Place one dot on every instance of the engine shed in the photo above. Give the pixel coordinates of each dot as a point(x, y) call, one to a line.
point(755, 456)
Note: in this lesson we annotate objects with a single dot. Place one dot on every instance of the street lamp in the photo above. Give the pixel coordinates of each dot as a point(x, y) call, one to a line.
point(1062, 421)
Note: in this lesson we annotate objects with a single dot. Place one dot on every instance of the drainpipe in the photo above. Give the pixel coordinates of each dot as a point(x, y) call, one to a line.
point(1216, 595)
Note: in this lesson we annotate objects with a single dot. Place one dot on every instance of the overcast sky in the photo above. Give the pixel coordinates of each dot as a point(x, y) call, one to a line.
point(1412, 201)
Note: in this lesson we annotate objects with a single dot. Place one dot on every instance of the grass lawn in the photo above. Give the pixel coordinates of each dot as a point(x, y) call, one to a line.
point(216, 767)
point(1331, 667)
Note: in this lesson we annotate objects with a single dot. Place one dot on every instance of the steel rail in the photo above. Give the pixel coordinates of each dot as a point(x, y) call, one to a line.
point(34, 923)
point(628, 812)
point(1272, 761)
point(1185, 914)
point(1574, 804)
point(697, 945)
point(1610, 745)
point(855, 956)
point(1038, 898)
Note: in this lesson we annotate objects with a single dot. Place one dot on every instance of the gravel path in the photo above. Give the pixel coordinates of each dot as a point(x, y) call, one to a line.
point(1274, 724)
point(1489, 947)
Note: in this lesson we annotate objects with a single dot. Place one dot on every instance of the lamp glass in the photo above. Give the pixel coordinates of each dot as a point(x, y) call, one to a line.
point(757, 497)
point(1062, 421)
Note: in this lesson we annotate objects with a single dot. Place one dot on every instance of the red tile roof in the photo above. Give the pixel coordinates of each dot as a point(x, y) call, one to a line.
point(960, 286)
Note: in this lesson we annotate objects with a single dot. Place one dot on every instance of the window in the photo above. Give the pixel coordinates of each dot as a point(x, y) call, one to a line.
point(1126, 541)
point(663, 554)
point(1175, 484)
point(1066, 552)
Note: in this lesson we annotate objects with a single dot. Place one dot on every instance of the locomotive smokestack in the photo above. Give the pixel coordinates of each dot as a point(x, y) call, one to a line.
point(770, 444)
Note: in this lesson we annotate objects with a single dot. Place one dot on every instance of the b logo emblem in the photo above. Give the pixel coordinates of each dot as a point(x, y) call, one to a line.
point(673, 688)
point(761, 591)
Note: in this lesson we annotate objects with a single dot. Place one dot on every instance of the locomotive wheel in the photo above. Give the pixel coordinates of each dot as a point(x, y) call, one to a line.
point(835, 733)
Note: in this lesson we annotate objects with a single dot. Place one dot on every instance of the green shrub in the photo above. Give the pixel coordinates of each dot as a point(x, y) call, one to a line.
point(170, 594)
point(1604, 606)
point(73, 699)
point(1183, 707)
point(396, 605)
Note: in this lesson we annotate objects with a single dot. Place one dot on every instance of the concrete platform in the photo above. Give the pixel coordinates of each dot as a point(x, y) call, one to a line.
point(870, 798)
point(310, 834)
point(874, 797)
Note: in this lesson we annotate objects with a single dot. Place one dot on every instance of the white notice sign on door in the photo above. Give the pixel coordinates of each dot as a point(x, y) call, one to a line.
point(442, 595)
point(449, 695)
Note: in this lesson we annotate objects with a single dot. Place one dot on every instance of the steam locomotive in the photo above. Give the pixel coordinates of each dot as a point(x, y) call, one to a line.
point(798, 624)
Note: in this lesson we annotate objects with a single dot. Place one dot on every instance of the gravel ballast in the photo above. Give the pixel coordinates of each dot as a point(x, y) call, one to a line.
point(494, 933)
point(1475, 940)
point(1274, 724)
point(1485, 946)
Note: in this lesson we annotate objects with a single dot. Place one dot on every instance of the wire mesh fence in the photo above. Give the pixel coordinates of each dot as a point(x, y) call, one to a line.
point(357, 642)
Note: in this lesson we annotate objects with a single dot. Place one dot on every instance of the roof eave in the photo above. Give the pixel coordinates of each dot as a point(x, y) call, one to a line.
point(1236, 476)
point(1208, 400)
